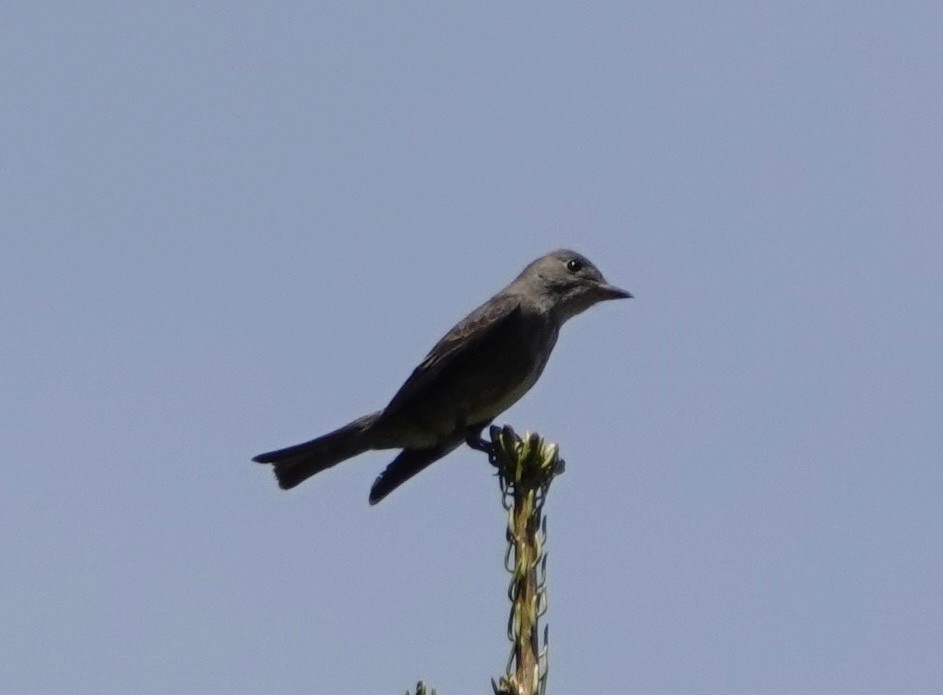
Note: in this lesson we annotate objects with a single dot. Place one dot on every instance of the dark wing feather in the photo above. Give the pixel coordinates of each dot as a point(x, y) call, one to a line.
point(470, 332)
point(405, 466)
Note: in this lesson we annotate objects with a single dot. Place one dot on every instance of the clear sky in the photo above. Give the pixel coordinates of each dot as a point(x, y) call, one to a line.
point(229, 227)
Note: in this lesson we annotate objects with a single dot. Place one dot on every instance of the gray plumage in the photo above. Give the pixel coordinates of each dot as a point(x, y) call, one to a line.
point(474, 373)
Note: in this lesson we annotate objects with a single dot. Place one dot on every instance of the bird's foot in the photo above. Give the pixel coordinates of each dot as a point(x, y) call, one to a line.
point(475, 441)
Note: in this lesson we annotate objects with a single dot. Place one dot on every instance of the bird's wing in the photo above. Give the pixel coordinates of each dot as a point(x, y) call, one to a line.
point(405, 466)
point(465, 337)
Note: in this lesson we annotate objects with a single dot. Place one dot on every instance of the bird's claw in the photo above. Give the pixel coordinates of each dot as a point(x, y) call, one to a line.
point(478, 444)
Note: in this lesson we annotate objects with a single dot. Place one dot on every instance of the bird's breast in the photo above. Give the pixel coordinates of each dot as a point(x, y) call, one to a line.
point(515, 369)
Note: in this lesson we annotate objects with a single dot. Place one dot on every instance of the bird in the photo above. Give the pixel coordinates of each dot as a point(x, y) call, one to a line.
point(481, 367)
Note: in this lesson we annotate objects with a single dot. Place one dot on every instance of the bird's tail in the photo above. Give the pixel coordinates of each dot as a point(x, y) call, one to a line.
point(297, 463)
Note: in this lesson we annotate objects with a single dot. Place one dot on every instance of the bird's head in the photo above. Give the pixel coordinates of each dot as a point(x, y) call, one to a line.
point(565, 283)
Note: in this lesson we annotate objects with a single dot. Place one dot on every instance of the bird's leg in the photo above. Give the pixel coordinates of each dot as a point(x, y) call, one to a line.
point(474, 439)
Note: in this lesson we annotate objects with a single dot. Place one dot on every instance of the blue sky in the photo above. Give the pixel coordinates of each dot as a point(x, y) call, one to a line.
point(229, 227)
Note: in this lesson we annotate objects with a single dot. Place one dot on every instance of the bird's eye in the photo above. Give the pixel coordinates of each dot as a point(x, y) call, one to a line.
point(574, 266)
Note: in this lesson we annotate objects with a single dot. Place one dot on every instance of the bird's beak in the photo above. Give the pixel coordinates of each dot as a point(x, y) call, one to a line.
point(611, 292)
